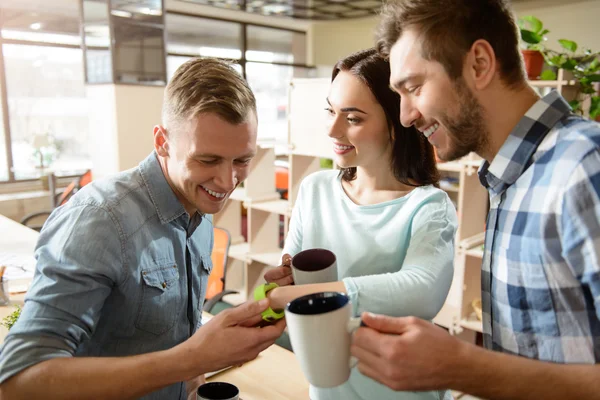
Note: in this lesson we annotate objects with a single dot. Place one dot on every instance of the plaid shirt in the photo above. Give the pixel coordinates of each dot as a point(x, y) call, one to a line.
point(541, 268)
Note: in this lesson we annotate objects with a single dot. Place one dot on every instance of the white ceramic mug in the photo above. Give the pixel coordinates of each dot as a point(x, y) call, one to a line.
point(217, 391)
point(320, 327)
point(314, 266)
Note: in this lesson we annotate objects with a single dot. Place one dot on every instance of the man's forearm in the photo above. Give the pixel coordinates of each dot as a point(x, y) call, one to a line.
point(97, 378)
point(498, 376)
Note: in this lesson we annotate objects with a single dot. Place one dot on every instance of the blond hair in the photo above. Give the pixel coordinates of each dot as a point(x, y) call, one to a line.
point(207, 85)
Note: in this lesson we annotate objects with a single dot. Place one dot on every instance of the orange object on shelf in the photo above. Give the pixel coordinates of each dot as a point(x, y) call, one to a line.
point(282, 179)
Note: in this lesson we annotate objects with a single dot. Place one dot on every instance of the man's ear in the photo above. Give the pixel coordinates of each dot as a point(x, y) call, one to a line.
point(161, 145)
point(481, 64)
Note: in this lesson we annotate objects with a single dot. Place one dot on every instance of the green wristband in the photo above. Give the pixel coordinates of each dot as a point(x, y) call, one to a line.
point(261, 293)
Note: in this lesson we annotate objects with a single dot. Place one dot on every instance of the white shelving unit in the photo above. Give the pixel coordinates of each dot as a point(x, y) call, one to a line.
point(470, 199)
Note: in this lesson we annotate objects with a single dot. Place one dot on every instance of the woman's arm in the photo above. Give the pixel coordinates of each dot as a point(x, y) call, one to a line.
point(418, 288)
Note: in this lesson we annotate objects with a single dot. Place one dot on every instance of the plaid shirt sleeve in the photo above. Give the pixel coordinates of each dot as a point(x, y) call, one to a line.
point(580, 225)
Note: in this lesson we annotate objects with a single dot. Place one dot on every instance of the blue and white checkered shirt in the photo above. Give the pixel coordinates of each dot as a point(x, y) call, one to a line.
point(541, 267)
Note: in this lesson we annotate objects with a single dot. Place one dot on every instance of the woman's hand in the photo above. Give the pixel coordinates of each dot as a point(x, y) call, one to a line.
point(281, 275)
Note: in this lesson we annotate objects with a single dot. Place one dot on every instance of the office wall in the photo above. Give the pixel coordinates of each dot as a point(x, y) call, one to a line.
point(566, 19)
point(138, 110)
point(334, 40)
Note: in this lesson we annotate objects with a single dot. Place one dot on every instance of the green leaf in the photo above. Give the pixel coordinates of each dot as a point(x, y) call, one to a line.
point(587, 89)
point(594, 78)
point(575, 105)
point(530, 37)
point(548, 75)
point(556, 61)
point(542, 33)
point(535, 24)
point(595, 107)
point(569, 64)
point(568, 45)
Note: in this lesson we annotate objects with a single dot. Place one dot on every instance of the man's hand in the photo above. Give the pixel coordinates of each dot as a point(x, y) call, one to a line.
point(230, 338)
point(406, 353)
point(281, 275)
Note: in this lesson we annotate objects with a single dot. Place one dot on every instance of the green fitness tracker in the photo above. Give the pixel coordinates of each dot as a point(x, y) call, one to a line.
point(261, 293)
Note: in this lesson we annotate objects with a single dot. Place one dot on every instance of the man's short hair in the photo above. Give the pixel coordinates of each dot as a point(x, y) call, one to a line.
point(207, 85)
point(450, 27)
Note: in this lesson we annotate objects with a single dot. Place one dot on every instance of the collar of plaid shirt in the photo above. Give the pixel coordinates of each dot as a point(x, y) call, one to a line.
point(516, 153)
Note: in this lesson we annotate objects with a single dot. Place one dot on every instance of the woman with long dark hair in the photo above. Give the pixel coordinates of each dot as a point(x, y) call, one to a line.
point(382, 215)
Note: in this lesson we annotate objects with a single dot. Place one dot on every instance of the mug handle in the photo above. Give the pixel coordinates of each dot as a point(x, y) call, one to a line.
point(353, 325)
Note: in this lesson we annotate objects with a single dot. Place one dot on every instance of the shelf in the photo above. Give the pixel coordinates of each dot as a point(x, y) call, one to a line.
point(473, 241)
point(281, 207)
point(476, 252)
point(451, 166)
point(550, 84)
point(238, 194)
point(239, 251)
point(448, 187)
point(473, 163)
point(472, 324)
point(270, 258)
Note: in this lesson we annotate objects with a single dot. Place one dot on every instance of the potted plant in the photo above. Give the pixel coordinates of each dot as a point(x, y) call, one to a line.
point(585, 68)
point(533, 35)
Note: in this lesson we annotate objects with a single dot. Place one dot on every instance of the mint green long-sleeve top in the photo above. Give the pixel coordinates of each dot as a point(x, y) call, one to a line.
point(395, 258)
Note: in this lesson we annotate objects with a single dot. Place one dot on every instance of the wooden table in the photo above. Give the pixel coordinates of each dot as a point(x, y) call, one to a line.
point(274, 375)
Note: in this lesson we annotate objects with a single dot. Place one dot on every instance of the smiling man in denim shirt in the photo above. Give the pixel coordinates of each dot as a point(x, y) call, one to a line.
point(115, 307)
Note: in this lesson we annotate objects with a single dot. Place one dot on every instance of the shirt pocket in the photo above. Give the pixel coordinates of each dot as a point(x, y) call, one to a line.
point(204, 269)
point(161, 299)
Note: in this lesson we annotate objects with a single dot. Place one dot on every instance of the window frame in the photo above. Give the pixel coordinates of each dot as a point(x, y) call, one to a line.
point(244, 42)
point(34, 183)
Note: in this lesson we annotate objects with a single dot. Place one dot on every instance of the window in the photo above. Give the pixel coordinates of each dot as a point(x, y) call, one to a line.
point(124, 41)
point(4, 165)
point(44, 95)
point(268, 57)
point(47, 109)
point(43, 62)
point(138, 53)
point(270, 84)
point(276, 45)
point(194, 36)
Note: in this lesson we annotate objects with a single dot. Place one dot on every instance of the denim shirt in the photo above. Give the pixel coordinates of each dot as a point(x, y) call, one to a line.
point(121, 270)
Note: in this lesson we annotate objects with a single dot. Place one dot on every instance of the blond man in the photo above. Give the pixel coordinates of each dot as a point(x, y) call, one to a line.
point(115, 307)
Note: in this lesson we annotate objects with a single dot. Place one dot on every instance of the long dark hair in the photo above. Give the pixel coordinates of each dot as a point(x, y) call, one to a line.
point(413, 160)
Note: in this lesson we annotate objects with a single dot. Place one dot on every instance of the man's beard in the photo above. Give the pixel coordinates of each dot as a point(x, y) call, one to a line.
point(466, 132)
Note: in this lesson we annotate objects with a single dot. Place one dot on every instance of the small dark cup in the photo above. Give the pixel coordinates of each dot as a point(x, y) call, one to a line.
point(218, 391)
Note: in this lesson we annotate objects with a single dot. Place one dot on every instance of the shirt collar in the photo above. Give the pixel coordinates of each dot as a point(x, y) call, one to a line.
point(166, 203)
point(516, 153)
